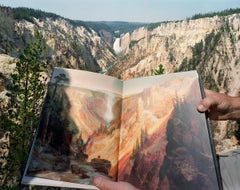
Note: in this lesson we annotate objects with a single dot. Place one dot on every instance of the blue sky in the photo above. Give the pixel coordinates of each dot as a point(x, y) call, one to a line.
point(125, 10)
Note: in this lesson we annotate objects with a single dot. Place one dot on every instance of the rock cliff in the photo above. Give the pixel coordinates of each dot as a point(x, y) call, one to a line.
point(215, 40)
point(210, 45)
point(68, 43)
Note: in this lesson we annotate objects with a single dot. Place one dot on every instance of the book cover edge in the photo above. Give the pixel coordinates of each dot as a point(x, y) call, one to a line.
point(214, 154)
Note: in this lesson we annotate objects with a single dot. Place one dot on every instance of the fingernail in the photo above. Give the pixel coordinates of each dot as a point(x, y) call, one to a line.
point(200, 108)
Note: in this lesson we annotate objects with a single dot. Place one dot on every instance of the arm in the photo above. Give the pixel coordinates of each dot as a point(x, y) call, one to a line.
point(220, 106)
point(106, 184)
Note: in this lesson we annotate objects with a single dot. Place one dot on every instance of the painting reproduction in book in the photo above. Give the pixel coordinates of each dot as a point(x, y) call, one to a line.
point(145, 131)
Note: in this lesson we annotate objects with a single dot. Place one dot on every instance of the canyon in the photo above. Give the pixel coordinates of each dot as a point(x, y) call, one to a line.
point(210, 45)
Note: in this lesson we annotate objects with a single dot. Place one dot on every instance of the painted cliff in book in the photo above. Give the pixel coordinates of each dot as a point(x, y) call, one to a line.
point(146, 131)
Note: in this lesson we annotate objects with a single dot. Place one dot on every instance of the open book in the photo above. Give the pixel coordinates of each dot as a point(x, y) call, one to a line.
point(145, 131)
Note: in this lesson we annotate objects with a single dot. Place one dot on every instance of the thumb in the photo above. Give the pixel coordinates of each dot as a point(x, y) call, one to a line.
point(202, 107)
point(105, 184)
point(209, 101)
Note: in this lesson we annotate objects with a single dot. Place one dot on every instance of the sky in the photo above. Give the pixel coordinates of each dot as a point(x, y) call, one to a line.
point(125, 10)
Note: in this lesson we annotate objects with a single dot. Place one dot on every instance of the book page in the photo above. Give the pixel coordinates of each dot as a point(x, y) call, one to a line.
point(78, 135)
point(146, 131)
point(164, 141)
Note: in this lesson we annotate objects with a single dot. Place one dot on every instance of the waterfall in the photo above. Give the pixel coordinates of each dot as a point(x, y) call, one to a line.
point(116, 46)
point(109, 112)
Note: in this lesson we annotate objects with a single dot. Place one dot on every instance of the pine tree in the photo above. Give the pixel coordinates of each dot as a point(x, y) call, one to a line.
point(22, 114)
point(160, 70)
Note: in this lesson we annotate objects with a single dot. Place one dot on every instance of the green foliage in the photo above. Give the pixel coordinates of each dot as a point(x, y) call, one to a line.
point(171, 57)
point(99, 26)
point(28, 14)
point(133, 43)
point(119, 27)
point(237, 133)
point(77, 23)
point(167, 44)
point(160, 70)
point(115, 27)
point(202, 53)
point(227, 12)
point(89, 60)
point(21, 115)
point(22, 13)
point(152, 26)
point(6, 30)
point(221, 13)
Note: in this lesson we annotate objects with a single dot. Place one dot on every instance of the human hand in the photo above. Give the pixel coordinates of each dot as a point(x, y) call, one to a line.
point(106, 184)
point(220, 106)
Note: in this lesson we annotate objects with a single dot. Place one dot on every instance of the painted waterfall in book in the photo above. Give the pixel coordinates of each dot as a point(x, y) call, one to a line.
point(145, 131)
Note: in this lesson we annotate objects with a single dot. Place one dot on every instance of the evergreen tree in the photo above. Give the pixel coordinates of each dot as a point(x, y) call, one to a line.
point(21, 115)
point(160, 70)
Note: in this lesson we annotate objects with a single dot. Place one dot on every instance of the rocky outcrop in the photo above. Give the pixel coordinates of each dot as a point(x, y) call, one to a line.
point(68, 45)
point(4, 151)
point(172, 42)
point(7, 66)
point(208, 45)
